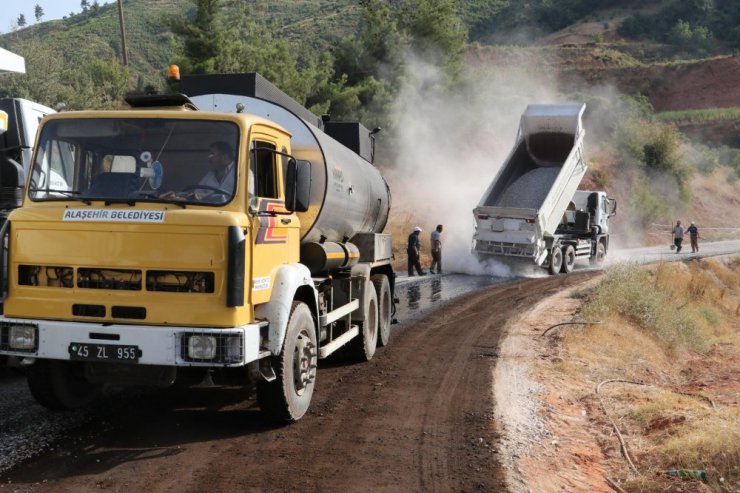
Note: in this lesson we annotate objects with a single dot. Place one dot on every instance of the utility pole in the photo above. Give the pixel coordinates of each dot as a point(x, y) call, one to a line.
point(123, 33)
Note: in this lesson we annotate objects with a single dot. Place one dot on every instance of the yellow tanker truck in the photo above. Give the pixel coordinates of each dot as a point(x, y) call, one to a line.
point(229, 233)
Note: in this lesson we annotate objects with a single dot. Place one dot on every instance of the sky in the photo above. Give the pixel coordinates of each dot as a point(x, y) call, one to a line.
point(10, 10)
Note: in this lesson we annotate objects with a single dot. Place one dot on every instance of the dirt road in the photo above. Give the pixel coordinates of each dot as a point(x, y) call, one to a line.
point(418, 417)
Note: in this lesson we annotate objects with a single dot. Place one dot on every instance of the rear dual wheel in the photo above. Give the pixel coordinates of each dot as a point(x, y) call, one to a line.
point(383, 293)
point(556, 261)
point(569, 259)
point(363, 346)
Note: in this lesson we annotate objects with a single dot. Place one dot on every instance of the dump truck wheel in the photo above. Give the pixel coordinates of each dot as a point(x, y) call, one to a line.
point(286, 399)
point(598, 259)
point(60, 385)
point(363, 346)
point(556, 260)
point(383, 293)
point(569, 259)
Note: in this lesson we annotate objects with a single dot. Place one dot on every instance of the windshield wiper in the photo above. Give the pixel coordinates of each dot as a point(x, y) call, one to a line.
point(72, 194)
point(130, 202)
point(69, 193)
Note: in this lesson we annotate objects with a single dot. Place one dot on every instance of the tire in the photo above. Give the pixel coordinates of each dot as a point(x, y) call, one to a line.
point(286, 399)
point(598, 259)
point(556, 261)
point(569, 259)
point(383, 293)
point(362, 347)
point(60, 385)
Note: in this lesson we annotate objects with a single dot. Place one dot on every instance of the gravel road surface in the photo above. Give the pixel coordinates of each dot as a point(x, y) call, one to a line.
point(418, 417)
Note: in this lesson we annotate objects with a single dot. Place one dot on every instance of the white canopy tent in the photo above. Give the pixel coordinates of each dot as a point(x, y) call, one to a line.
point(10, 62)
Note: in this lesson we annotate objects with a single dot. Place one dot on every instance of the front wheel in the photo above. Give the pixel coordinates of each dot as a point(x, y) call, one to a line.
point(60, 385)
point(598, 259)
point(286, 399)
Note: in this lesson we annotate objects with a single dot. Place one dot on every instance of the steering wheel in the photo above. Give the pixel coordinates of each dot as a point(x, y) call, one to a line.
point(212, 195)
point(191, 188)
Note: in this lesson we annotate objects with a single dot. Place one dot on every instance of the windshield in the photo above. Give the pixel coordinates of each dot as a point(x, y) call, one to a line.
point(136, 159)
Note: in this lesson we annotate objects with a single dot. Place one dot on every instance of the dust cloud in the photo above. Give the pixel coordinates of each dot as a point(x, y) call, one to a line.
point(449, 145)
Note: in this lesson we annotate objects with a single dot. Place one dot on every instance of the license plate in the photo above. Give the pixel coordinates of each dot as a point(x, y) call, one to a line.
point(84, 351)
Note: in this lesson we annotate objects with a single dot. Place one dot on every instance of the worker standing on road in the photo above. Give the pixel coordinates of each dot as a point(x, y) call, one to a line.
point(678, 236)
point(694, 237)
point(414, 252)
point(436, 250)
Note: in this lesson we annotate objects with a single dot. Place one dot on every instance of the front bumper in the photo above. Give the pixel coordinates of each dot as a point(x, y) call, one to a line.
point(159, 345)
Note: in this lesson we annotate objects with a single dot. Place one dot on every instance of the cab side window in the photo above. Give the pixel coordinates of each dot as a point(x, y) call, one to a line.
point(262, 172)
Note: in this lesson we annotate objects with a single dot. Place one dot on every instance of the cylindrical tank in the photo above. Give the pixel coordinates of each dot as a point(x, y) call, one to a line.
point(328, 256)
point(348, 194)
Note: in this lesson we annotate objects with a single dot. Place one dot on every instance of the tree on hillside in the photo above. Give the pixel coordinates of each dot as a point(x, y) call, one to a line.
point(435, 32)
point(202, 37)
point(84, 5)
point(38, 12)
point(95, 6)
point(79, 81)
point(21, 21)
point(224, 37)
point(696, 39)
point(370, 66)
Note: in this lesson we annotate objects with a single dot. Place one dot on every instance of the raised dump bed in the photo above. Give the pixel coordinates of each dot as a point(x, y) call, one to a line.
point(523, 211)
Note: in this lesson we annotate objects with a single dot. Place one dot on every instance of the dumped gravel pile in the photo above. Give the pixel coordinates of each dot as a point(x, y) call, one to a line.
point(530, 189)
point(26, 428)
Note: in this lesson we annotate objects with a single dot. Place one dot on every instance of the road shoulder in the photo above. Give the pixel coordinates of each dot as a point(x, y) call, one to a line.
point(545, 442)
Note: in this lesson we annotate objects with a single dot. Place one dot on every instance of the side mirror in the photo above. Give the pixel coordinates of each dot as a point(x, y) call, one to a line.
point(297, 185)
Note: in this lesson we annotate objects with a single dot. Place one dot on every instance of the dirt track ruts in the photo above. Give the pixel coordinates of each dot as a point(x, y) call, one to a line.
point(418, 417)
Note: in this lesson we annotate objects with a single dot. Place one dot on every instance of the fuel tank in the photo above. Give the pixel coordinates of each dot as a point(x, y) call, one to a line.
point(348, 193)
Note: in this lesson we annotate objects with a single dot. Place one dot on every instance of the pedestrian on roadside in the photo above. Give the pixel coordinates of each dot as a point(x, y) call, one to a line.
point(436, 250)
point(678, 236)
point(693, 232)
point(414, 252)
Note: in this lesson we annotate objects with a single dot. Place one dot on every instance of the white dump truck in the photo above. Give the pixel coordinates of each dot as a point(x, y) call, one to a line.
point(231, 236)
point(19, 121)
point(532, 208)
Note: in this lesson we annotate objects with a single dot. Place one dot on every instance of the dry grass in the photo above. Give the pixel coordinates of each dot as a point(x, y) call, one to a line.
point(673, 327)
point(606, 347)
point(670, 431)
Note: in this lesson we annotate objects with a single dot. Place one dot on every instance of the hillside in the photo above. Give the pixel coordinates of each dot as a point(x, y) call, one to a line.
point(151, 45)
point(98, 35)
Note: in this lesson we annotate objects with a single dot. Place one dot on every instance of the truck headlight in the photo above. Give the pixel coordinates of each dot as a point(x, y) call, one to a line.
point(234, 348)
point(22, 337)
point(201, 347)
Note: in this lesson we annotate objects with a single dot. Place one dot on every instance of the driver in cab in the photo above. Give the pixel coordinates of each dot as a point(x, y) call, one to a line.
point(221, 175)
point(218, 183)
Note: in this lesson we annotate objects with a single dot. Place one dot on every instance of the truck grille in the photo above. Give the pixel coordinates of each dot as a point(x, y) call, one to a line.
point(115, 279)
point(505, 248)
point(109, 279)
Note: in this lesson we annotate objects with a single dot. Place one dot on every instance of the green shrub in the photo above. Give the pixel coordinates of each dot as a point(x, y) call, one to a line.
point(650, 207)
point(710, 315)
